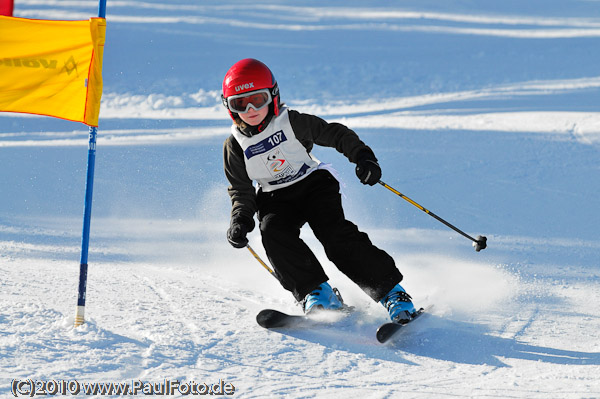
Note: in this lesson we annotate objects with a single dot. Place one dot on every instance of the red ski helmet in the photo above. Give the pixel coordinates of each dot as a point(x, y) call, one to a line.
point(246, 76)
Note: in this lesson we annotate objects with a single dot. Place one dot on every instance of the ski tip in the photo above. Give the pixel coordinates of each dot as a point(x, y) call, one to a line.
point(270, 318)
point(387, 330)
point(267, 317)
point(268, 312)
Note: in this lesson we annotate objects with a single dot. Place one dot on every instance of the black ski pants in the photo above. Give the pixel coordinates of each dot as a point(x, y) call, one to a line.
point(316, 200)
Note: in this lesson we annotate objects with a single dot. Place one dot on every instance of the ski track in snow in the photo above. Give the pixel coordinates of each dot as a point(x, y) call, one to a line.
point(165, 324)
point(485, 112)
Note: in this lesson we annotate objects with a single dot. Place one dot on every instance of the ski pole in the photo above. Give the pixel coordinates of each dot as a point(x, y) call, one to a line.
point(479, 243)
point(260, 260)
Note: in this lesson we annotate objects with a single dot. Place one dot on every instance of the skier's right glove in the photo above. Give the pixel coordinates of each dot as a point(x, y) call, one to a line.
point(236, 234)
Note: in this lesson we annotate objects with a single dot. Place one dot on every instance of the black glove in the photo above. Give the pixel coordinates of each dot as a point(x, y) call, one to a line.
point(236, 234)
point(367, 168)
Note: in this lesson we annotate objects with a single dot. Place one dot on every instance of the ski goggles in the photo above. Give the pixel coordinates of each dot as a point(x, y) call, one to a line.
point(256, 100)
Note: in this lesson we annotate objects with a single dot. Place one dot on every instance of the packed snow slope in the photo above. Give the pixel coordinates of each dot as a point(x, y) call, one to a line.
point(485, 112)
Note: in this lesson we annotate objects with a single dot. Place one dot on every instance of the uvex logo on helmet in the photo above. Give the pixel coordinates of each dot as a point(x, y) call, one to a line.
point(244, 86)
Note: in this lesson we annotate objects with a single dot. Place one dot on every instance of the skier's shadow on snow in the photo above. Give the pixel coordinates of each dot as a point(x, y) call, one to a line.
point(439, 338)
point(470, 343)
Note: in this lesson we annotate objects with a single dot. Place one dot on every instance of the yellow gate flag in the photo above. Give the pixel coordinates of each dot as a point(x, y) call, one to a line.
point(52, 68)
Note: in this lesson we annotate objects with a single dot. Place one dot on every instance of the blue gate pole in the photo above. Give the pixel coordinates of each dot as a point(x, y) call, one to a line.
point(85, 237)
point(87, 211)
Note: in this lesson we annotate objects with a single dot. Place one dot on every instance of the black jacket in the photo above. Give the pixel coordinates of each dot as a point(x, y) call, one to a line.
point(309, 130)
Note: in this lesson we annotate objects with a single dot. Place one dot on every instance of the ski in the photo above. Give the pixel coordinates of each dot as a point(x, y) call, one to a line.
point(273, 319)
point(387, 330)
point(270, 318)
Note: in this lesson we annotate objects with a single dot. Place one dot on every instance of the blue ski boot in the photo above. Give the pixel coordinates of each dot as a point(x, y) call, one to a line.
point(324, 298)
point(399, 305)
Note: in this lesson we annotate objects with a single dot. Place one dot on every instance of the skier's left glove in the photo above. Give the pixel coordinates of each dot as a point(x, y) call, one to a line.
point(367, 168)
point(236, 234)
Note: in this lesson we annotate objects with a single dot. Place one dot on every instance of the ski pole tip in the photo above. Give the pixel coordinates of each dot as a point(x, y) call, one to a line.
point(480, 243)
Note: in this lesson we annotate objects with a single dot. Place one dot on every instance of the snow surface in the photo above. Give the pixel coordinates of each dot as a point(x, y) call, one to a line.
point(485, 112)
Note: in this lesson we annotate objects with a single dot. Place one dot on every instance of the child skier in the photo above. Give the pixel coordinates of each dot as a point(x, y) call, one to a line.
point(271, 144)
